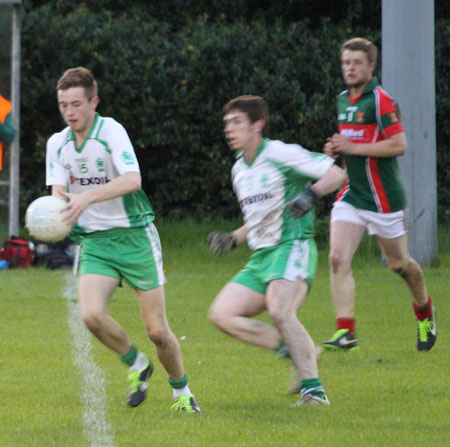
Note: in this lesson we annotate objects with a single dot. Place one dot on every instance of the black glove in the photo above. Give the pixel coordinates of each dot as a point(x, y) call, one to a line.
point(302, 203)
point(220, 243)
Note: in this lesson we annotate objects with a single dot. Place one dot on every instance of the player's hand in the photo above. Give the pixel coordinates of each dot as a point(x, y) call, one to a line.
point(329, 150)
point(220, 243)
point(341, 144)
point(302, 203)
point(75, 206)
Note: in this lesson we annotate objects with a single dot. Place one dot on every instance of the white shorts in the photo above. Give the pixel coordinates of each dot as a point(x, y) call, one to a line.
point(386, 225)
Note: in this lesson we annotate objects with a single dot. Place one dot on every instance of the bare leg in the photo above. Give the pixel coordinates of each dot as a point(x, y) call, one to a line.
point(400, 261)
point(94, 294)
point(345, 238)
point(232, 310)
point(283, 299)
point(153, 312)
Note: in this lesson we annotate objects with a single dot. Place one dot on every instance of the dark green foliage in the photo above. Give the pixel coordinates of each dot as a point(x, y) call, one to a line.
point(443, 118)
point(181, 13)
point(167, 81)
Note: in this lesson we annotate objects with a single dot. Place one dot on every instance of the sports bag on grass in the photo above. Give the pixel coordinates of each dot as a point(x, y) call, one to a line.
point(18, 252)
point(57, 255)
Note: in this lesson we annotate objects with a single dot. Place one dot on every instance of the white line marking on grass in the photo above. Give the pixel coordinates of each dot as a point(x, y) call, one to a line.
point(93, 395)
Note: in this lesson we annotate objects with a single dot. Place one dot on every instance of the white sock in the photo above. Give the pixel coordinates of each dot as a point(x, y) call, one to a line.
point(140, 363)
point(185, 391)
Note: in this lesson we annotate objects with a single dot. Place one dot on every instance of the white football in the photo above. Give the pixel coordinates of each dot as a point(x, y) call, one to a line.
point(44, 221)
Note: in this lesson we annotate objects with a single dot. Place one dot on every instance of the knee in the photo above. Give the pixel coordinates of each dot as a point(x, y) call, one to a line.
point(213, 317)
point(158, 336)
point(398, 264)
point(280, 313)
point(397, 267)
point(217, 318)
point(93, 321)
point(404, 267)
point(277, 317)
point(337, 261)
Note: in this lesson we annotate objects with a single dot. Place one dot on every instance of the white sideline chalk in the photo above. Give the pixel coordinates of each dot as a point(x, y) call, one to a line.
point(96, 427)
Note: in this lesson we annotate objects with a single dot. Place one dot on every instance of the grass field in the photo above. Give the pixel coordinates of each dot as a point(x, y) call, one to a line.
point(60, 387)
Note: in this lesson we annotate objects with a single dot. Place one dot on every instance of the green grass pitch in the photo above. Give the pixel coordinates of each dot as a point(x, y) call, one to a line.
point(385, 394)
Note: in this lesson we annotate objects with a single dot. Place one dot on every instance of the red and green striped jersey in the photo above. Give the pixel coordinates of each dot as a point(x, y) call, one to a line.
point(373, 183)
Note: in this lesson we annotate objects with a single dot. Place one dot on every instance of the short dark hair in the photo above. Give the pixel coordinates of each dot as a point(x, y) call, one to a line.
point(78, 77)
point(361, 44)
point(255, 107)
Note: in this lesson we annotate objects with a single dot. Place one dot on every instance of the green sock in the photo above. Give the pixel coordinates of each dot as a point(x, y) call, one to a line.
point(311, 386)
point(282, 350)
point(130, 357)
point(179, 383)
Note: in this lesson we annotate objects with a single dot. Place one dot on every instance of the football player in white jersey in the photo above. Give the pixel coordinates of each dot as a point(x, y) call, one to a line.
point(277, 186)
point(92, 164)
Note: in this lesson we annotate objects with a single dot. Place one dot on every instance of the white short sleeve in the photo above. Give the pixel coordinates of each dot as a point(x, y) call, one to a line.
point(123, 155)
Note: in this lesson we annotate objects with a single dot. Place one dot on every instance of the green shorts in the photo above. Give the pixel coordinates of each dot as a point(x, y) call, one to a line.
point(289, 260)
point(133, 254)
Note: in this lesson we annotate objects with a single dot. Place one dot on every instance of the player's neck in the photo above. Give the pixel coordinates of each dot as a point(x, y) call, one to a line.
point(80, 136)
point(251, 151)
point(357, 91)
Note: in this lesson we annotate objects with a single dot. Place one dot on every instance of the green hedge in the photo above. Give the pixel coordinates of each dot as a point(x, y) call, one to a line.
point(442, 36)
point(168, 87)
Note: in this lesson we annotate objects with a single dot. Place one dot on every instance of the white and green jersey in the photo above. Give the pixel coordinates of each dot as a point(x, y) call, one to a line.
point(264, 186)
point(106, 154)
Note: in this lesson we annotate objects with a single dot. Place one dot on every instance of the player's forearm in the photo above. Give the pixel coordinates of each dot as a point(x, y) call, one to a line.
point(304, 202)
point(120, 186)
point(240, 234)
point(392, 147)
point(56, 188)
point(332, 180)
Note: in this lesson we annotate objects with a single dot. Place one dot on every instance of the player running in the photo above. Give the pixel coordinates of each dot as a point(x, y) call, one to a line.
point(92, 164)
point(370, 138)
point(273, 183)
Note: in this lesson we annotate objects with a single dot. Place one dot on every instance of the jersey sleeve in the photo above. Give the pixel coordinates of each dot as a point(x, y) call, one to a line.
point(54, 168)
point(388, 114)
point(122, 151)
point(7, 130)
point(309, 164)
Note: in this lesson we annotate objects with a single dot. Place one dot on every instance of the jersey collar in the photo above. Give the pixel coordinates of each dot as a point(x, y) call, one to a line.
point(371, 85)
point(259, 149)
point(368, 88)
point(71, 137)
point(262, 146)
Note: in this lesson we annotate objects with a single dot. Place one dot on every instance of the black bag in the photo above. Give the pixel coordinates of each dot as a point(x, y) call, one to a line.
point(59, 260)
point(58, 255)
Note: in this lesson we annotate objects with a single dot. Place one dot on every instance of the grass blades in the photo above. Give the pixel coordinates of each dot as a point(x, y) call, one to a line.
point(386, 393)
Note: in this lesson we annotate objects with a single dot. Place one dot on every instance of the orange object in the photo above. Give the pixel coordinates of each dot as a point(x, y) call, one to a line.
point(5, 110)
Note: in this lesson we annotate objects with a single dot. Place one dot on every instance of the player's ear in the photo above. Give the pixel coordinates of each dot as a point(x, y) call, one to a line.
point(95, 101)
point(258, 125)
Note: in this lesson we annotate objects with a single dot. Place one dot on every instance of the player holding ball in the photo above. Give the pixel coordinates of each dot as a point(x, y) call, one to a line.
point(92, 164)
